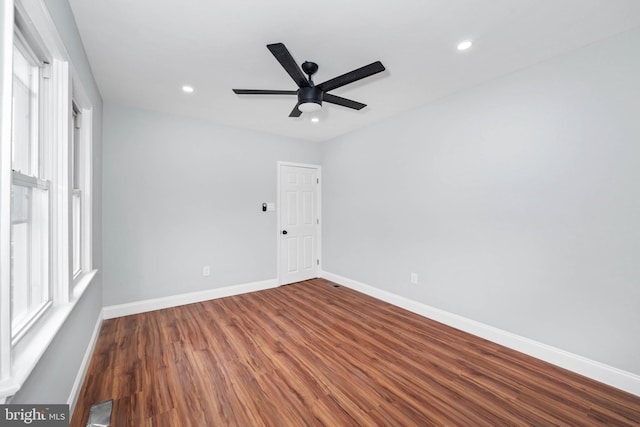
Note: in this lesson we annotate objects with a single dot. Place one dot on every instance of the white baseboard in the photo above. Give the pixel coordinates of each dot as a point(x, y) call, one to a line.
point(614, 377)
point(119, 310)
point(82, 371)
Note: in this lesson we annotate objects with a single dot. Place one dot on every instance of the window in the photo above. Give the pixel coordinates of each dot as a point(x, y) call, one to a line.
point(76, 198)
point(80, 166)
point(30, 200)
point(45, 188)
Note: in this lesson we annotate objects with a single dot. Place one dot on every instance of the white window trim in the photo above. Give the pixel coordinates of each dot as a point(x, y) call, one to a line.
point(86, 184)
point(7, 387)
point(60, 192)
point(35, 183)
point(36, 168)
point(17, 362)
point(30, 181)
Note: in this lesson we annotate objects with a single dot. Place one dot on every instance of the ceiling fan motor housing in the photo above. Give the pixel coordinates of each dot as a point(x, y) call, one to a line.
point(309, 94)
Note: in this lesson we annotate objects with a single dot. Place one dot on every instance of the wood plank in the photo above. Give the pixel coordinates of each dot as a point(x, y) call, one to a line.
point(313, 354)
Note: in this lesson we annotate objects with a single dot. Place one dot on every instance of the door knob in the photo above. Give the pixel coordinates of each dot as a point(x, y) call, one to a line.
point(284, 231)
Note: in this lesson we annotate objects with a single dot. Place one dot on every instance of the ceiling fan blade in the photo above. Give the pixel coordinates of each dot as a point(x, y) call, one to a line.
point(352, 76)
point(295, 112)
point(285, 59)
point(333, 99)
point(264, 92)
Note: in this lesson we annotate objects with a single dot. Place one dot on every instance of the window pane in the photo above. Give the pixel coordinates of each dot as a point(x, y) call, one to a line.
point(40, 248)
point(76, 232)
point(20, 248)
point(25, 114)
point(29, 254)
point(75, 149)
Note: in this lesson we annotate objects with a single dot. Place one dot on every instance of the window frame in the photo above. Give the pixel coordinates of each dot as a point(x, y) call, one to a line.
point(85, 182)
point(20, 329)
point(35, 179)
point(35, 150)
point(76, 192)
point(17, 360)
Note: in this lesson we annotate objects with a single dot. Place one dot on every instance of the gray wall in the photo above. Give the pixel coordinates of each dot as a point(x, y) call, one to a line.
point(517, 203)
point(52, 379)
point(180, 194)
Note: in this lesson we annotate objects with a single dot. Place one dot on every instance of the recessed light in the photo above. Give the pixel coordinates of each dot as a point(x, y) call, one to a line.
point(464, 45)
point(187, 89)
point(315, 119)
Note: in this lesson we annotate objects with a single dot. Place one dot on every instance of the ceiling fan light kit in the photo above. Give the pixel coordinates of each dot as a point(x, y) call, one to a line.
point(309, 99)
point(310, 95)
point(309, 107)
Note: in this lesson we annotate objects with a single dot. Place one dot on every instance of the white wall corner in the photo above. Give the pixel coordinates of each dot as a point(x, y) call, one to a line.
point(82, 371)
point(606, 374)
point(136, 307)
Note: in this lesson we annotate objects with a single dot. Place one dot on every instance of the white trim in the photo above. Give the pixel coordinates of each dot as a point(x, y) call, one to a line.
point(318, 169)
point(82, 371)
point(83, 282)
point(86, 203)
point(300, 165)
point(614, 377)
point(136, 307)
point(59, 130)
point(40, 25)
point(6, 88)
point(29, 351)
point(319, 201)
point(18, 178)
point(79, 95)
point(16, 364)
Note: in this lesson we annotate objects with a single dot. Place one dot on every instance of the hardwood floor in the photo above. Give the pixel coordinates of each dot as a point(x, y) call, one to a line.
point(311, 354)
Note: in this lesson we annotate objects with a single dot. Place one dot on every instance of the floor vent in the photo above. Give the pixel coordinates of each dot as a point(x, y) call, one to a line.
point(100, 414)
point(336, 286)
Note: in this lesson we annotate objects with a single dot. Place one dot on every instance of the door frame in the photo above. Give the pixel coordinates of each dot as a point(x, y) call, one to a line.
point(318, 169)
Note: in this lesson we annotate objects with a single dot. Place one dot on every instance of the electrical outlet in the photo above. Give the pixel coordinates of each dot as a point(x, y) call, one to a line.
point(206, 271)
point(414, 278)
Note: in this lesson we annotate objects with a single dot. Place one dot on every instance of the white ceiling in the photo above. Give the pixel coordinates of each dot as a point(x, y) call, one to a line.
point(143, 51)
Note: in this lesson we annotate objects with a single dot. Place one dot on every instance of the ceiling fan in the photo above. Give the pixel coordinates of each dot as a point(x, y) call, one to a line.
point(310, 95)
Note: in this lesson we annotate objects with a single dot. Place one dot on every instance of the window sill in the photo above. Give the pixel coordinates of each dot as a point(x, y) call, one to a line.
point(30, 349)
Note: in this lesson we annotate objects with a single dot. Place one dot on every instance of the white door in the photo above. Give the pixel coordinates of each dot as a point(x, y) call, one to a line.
point(299, 223)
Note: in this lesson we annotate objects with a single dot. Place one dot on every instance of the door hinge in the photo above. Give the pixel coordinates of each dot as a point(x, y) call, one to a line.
point(317, 262)
point(317, 180)
point(317, 221)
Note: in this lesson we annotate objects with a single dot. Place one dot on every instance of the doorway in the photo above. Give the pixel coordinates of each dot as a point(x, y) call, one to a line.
point(298, 222)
